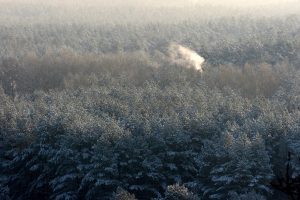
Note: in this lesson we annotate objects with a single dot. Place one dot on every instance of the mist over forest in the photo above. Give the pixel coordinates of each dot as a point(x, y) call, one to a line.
point(160, 100)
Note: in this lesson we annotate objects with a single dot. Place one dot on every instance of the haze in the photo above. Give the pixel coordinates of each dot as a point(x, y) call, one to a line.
point(136, 12)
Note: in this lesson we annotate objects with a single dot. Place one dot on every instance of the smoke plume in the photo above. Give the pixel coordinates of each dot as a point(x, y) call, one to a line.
point(186, 57)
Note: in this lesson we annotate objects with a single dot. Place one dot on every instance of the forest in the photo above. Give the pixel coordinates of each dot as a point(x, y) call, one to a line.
point(92, 107)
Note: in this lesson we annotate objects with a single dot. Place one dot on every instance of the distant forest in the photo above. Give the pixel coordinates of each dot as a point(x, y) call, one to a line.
point(97, 110)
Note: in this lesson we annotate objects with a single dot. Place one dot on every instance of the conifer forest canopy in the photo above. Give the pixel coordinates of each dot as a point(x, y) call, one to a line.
point(149, 100)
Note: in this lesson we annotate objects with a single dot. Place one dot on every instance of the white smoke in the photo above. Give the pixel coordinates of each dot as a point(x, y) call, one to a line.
point(186, 57)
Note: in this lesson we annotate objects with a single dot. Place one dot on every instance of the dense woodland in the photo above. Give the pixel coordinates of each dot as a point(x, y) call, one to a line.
point(97, 111)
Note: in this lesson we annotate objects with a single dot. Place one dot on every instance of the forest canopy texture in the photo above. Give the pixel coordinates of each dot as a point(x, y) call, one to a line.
point(93, 107)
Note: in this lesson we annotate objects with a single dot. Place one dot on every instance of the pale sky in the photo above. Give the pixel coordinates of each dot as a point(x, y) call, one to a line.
point(240, 2)
point(157, 2)
point(40, 11)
